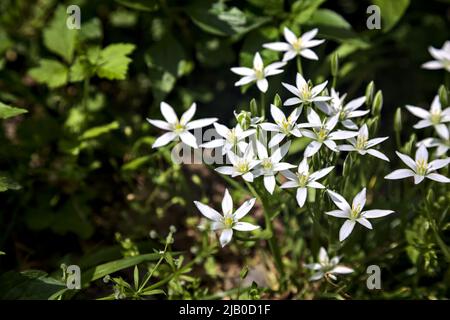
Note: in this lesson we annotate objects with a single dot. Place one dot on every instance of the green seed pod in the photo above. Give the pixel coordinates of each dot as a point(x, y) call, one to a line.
point(398, 120)
point(369, 93)
point(377, 103)
point(244, 119)
point(443, 96)
point(277, 101)
point(334, 65)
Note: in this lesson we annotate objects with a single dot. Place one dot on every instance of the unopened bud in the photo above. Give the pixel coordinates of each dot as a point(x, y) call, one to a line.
point(277, 101)
point(377, 103)
point(443, 96)
point(370, 89)
point(244, 118)
point(398, 120)
point(334, 65)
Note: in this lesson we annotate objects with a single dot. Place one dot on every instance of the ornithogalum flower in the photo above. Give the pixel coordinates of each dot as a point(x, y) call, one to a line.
point(258, 73)
point(327, 267)
point(241, 165)
point(304, 93)
point(303, 179)
point(441, 145)
point(354, 213)
point(296, 45)
point(233, 139)
point(420, 168)
point(178, 128)
point(363, 145)
point(271, 165)
point(283, 126)
point(322, 133)
point(346, 112)
point(436, 117)
point(229, 221)
point(442, 57)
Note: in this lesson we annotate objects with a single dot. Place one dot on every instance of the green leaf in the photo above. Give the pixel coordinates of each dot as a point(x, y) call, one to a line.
point(8, 184)
point(8, 111)
point(80, 69)
point(91, 30)
point(141, 5)
point(113, 61)
point(151, 292)
point(50, 72)
point(100, 130)
point(325, 17)
point(58, 38)
point(391, 12)
point(303, 10)
point(28, 285)
point(135, 163)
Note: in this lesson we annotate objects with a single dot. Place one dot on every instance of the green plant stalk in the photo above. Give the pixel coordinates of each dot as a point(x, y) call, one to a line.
point(299, 65)
point(273, 245)
point(334, 82)
point(262, 109)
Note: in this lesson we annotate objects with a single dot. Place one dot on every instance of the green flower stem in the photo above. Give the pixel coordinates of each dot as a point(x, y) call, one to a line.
point(299, 65)
point(262, 108)
point(273, 245)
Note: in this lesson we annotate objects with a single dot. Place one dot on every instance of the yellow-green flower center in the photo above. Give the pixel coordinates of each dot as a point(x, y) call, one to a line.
point(305, 92)
point(422, 166)
point(259, 74)
point(302, 179)
point(178, 127)
point(361, 142)
point(297, 45)
point(435, 117)
point(243, 167)
point(285, 126)
point(267, 164)
point(354, 213)
point(342, 115)
point(321, 134)
point(228, 222)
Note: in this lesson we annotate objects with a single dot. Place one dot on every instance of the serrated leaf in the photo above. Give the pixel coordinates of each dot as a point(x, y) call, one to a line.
point(113, 61)
point(50, 72)
point(58, 38)
point(8, 184)
point(97, 131)
point(8, 111)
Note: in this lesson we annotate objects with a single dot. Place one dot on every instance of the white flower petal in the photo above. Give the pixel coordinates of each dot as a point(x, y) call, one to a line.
point(378, 154)
point(418, 112)
point(400, 174)
point(438, 164)
point(312, 148)
point(269, 183)
point(338, 214)
point(200, 123)
point(422, 154)
point(168, 113)
point(376, 213)
point(438, 177)
point(160, 124)
point(187, 116)
point(346, 229)
point(164, 139)
point(301, 196)
point(243, 71)
point(244, 209)
point(321, 173)
point(208, 212)
point(227, 203)
point(227, 170)
point(226, 236)
point(189, 139)
point(366, 223)
point(262, 85)
point(339, 201)
point(245, 226)
point(341, 270)
point(292, 101)
point(277, 46)
point(360, 199)
point(407, 160)
point(342, 134)
point(289, 35)
point(309, 54)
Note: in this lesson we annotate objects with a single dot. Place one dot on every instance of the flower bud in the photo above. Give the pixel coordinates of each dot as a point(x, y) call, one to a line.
point(369, 93)
point(277, 101)
point(348, 162)
point(335, 65)
point(244, 119)
point(430, 196)
point(377, 103)
point(443, 96)
point(409, 145)
point(253, 106)
point(398, 120)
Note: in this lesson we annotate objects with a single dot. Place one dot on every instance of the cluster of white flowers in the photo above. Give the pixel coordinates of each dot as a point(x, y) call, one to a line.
point(252, 155)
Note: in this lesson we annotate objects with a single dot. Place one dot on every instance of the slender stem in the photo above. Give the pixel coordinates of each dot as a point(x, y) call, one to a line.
point(299, 65)
point(262, 109)
point(334, 82)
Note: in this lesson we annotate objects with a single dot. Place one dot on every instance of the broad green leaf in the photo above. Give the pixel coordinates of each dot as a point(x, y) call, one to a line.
point(80, 69)
point(58, 38)
point(303, 10)
point(141, 5)
point(91, 30)
point(29, 285)
point(8, 111)
point(167, 55)
point(100, 130)
point(391, 12)
point(113, 62)
point(50, 72)
point(8, 184)
point(325, 17)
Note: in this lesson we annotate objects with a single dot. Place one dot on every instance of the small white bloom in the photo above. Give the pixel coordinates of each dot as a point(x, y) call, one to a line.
point(232, 138)
point(346, 112)
point(229, 220)
point(420, 168)
point(296, 46)
point(363, 145)
point(283, 126)
point(435, 117)
point(259, 73)
point(271, 165)
point(442, 146)
point(327, 267)
point(354, 213)
point(179, 127)
point(303, 93)
point(241, 165)
point(322, 133)
point(303, 179)
point(442, 57)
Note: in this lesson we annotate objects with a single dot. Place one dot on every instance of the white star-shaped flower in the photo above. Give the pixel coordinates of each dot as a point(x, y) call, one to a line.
point(258, 73)
point(271, 165)
point(346, 111)
point(327, 267)
point(354, 213)
point(241, 165)
point(284, 127)
point(304, 93)
point(322, 133)
point(304, 179)
point(442, 146)
point(229, 220)
point(420, 168)
point(296, 45)
point(232, 138)
point(436, 117)
point(442, 57)
point(178, 127)
point(363, 145)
